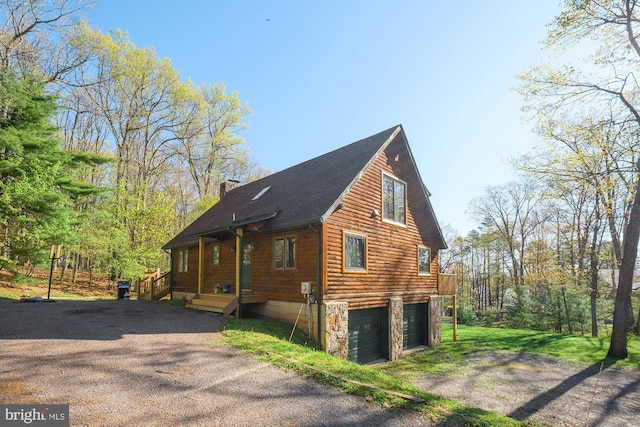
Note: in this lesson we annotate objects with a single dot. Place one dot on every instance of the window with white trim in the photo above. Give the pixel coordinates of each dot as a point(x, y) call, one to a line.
point(354, 253)
point(284, 252)
point(394, 204)
point(424, 260)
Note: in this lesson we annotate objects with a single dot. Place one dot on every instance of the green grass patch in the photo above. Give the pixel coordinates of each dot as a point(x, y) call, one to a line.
point(269, 339)
point(571, 348)
point(451, 358)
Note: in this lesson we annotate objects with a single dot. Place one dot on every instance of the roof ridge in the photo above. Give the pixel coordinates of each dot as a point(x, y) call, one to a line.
point(302, 194)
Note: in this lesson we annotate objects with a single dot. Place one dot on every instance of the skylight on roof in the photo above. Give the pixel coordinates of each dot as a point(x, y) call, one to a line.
point(261, 193)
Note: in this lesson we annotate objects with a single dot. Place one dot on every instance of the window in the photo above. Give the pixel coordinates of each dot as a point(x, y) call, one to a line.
point(355, 253)
point(183, 260)
point(215, 254)
point(424, 260)
point(284, 252)
point(261, 193)
point(393, 200)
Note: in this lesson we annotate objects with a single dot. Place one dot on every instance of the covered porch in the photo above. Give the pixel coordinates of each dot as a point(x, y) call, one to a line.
point(235, 291)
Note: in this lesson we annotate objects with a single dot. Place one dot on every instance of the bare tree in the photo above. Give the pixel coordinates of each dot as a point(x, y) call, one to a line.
point(610, 90)
point(32, 37)
point(513, 211)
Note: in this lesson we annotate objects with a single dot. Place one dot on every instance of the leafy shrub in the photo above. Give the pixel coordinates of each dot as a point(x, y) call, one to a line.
point(465, 316)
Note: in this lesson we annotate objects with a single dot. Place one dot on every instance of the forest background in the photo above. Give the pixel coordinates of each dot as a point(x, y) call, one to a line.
point(106, 151)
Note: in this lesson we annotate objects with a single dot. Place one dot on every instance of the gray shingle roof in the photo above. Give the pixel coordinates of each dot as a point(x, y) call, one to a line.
point(300, 195)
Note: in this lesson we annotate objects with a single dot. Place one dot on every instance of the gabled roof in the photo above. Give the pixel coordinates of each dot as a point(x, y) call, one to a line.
point(304, 194)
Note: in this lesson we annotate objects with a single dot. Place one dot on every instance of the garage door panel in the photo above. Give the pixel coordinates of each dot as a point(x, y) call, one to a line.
point(368, 334)
point(415, 324)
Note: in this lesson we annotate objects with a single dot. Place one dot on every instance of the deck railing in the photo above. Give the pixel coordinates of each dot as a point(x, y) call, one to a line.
point(446, 284)
point(154, 286)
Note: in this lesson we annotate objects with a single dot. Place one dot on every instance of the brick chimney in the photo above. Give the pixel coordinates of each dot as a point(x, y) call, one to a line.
point(227, 186)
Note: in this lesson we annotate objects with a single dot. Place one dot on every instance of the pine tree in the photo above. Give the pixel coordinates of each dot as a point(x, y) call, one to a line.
point(37, 184)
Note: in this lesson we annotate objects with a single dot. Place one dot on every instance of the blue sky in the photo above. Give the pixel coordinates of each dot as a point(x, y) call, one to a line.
point(321, 74)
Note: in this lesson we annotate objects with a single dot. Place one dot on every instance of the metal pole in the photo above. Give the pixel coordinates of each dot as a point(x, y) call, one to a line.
point(50, 278)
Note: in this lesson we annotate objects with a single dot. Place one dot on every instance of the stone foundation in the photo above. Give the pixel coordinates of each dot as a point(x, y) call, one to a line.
point(435, 321)
point(336, 323)
point(396, 327)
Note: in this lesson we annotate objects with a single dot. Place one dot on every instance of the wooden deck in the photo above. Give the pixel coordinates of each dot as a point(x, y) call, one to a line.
point(222, 303)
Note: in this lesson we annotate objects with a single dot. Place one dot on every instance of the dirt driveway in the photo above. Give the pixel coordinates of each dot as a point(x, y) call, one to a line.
point(135, 363)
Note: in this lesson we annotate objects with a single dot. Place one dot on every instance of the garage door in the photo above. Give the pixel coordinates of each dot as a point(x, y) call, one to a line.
point(368, 334)
point(415, 325)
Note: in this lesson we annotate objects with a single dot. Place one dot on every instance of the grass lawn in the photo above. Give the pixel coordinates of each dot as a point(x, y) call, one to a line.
point(386, 383)
point(447, 359)
point(270, 340)
point(573, 348)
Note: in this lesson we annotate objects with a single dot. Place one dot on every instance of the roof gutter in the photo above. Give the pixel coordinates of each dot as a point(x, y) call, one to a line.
point(295, 226)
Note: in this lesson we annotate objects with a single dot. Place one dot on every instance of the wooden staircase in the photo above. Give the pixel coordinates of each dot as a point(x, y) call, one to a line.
point(225, 304)
point(154, 286)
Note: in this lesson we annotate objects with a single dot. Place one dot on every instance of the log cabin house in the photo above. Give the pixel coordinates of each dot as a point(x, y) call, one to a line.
point(345, 244)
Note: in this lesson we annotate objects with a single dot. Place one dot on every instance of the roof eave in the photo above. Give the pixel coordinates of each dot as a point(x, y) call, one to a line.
point(427, 194)
point(359, 175)
point(292, 226)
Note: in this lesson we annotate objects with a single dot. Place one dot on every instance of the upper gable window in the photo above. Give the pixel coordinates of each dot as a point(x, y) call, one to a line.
point(394, 194)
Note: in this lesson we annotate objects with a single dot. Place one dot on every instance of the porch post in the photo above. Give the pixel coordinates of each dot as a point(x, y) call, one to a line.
point(200, 263)
point(239, 254)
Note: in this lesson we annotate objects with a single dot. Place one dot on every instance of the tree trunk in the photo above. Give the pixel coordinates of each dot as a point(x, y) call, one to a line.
point(566, 310)
point(594, 299)
point(63, 270)
point(593, 266)
point(622, 312)
point(76, 261)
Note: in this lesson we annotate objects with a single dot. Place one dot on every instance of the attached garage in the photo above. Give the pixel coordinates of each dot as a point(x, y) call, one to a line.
point(368, 334)
point(416, 325)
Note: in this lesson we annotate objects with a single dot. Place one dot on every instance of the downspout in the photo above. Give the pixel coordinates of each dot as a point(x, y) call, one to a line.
point(319, 296)
point(239, 267)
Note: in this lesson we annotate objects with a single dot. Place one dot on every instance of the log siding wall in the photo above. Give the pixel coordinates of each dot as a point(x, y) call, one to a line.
point(276, 284)
point(392, 249)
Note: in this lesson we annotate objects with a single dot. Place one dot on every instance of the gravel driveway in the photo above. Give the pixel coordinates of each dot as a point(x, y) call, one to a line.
point(136, 363)
point(537, 389)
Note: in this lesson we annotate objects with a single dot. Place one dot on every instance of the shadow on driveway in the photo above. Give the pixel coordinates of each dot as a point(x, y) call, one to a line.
point(134, 363)
point(100, 320)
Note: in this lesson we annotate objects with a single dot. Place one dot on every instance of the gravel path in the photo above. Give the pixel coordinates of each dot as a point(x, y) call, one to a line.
point(133, 363)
